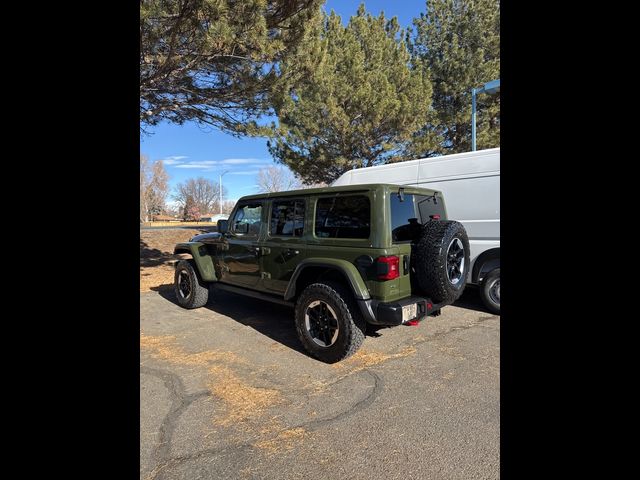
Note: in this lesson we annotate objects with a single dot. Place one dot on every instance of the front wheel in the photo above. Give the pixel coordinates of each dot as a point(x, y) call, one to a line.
point(490, 291)
point(328, 321)
point(191, 292)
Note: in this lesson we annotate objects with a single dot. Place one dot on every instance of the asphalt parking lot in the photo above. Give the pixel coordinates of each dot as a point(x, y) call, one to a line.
point(227, 392)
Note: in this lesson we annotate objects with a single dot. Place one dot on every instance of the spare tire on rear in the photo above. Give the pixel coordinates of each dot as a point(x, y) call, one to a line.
point(440, 260)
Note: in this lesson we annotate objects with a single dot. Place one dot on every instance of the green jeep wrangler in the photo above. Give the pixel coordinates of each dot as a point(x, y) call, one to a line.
point(343, 257)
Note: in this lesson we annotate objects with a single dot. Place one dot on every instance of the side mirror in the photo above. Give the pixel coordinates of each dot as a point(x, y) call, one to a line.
point(223, 226)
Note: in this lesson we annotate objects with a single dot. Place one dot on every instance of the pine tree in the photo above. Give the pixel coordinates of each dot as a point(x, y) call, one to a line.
point(360, 102)
point(215, 61)
point(459, 43)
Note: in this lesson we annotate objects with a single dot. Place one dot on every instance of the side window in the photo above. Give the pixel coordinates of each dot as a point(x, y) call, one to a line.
point(287, 218)
point(247, 219)
point(343, 217)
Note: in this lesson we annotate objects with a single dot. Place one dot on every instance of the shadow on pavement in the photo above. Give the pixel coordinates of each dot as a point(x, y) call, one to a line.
point(471, 300)
point(277, 321)
point(152, 257)
point(270, 319)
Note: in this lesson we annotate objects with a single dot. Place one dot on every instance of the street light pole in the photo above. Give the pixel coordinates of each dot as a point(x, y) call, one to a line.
point(226, 171)
point(490, 88)
point(473, 119)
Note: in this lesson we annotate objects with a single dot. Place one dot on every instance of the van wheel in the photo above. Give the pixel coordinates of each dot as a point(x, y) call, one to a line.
point(441, 260)
point(191, 292)
point(490, 291)
point(328, 321)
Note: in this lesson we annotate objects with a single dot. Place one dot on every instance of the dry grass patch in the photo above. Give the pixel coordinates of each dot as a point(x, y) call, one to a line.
point(156, 256)
point(165, 348)
point(285, 440)
point(243, 401)
point(364, 358)
point(160, 276)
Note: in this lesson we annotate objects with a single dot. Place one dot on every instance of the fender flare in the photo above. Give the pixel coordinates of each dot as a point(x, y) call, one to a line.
point(201, 257)
point(358, 286)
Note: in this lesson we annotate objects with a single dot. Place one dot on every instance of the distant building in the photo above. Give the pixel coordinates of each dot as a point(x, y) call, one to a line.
point(213, 217)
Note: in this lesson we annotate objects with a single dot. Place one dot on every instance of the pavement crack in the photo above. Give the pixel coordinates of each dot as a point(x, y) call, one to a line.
point(356, 407)
point(180, 400)
point(437, 335)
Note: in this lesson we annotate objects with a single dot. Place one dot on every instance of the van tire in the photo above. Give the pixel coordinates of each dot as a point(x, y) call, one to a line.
point(440, 260)
point(490, 291)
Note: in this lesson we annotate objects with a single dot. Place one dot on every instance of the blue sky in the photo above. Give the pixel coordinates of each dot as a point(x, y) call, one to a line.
point(191, 151)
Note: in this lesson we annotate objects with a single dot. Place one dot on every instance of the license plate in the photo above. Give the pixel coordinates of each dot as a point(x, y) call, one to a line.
point(409, 312)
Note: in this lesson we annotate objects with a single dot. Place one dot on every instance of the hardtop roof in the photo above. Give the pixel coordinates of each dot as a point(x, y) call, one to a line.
point(340, 189)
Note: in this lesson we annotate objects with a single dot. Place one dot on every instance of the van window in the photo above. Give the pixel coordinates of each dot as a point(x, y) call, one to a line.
point(287, 218)
point(343, 217)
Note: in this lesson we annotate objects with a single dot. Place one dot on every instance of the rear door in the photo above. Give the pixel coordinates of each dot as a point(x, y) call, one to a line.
point(284, 246)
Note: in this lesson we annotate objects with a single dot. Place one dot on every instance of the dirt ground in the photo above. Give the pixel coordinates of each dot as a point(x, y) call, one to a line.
point(156, 255)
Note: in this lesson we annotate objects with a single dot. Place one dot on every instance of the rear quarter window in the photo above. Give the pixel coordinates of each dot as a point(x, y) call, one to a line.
point(343, 217)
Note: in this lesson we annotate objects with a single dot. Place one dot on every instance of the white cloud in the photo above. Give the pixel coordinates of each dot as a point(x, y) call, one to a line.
point(209, 165)
point(174, 160)
point(201, 166)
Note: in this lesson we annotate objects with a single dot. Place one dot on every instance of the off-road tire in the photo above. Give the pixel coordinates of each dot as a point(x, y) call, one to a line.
point(488, 282)
point(429, 260)
point(351, 331)
point(199, 290)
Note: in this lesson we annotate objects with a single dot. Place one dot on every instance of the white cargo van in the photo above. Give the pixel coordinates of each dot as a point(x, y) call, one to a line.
point(470, 183)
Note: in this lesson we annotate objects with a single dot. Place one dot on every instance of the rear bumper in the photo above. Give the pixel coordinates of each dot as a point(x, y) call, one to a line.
point(380, 313)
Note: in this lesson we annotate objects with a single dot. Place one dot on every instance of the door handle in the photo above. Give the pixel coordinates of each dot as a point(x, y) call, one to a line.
point(293, 251)
point(260, 250)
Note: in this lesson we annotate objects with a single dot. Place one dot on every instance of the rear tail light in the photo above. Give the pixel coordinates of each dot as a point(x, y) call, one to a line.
point(388, 268)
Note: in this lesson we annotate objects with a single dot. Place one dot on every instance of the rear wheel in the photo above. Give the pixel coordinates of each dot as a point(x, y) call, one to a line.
point(328, 322)
point(191, 292)
point(490, 291)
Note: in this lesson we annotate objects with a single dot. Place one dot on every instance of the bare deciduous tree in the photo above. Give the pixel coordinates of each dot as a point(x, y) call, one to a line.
point(144, 179)
point(313, 185)
point(204, 193)
point(158, 188)
point(154, 188)
point(276, 179)
point(227, 206)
